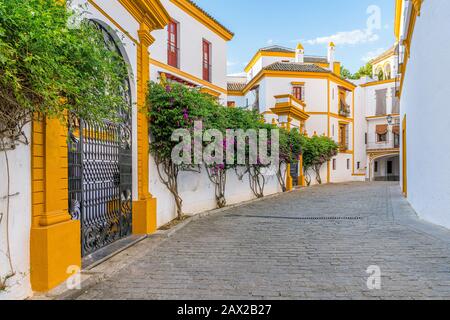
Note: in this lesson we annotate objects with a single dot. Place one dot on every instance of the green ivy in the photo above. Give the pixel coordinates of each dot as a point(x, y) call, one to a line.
point(51, 66)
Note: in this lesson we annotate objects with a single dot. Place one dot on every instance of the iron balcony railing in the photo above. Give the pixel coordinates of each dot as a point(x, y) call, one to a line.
point(389, 144)
point(344, 109)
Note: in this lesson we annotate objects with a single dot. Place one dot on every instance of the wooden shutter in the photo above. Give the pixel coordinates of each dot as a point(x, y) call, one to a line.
point(206, 61)
point(172, 46)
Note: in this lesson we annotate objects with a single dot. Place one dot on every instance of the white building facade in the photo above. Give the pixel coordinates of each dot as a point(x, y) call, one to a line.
point(378, 121)
point(318, 91)
point(422, 30)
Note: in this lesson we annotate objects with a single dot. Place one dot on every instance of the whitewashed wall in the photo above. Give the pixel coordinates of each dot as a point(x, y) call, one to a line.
point(425, 102)
point(360, 131)
point(198, 194)
point(19, 286)
point(191, 35)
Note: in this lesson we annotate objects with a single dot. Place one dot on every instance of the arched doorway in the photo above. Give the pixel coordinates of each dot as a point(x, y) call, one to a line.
point(100, 170)
point(385, 168)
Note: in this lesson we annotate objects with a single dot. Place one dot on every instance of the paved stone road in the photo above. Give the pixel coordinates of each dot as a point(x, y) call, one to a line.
point(273, 250)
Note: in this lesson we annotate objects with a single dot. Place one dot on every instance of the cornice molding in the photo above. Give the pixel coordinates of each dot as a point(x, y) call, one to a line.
point(149, 12)
point(203, 18)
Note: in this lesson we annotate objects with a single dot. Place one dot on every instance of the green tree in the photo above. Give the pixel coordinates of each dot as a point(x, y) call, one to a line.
point(51, 67)
point(345, 73)
point(317, 151)
point(364, 71)
point(291, 143)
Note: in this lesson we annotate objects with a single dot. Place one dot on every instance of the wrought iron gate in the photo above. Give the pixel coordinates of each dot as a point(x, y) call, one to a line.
point(295, 173)
point(100, 174)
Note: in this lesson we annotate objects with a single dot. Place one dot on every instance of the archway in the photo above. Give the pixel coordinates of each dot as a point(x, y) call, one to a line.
point(100, 169)
point(385, 167)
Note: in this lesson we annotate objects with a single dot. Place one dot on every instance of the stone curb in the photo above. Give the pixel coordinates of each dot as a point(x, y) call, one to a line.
point(91, 276)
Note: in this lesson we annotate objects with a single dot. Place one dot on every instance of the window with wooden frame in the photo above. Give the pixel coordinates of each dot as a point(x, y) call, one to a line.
point(343, 136)
point(344, 108)
point(298, 91)
point(382, 131)
point(207, 49)
point(231, 104)
point(334, 164)
point(172, 45)
point(348, 164)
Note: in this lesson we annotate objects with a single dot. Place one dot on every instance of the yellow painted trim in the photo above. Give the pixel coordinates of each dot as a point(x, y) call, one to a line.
point(188, 76)
point(297, 83)
point(96, 6)
point(415, 12)
point(382, 117)
point(398, 18)
point(353, 132)
point(404, 158)
point(328, 126)
point(307, 75)
point(203, 18)
point(235, 93)
point(211, 92)
point(149, 12)
point(290, 110)
point(290, 97)
point(384, 56)
point(145, 208)
point(261, 54)
point(55, 242)
point(376, 83)
point(331, 115)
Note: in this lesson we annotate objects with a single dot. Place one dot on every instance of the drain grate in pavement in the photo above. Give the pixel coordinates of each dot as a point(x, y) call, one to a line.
point(298, 218)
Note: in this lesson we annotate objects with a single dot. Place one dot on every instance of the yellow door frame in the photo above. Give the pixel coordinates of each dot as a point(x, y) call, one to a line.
point(404, 159)
point(55, 239)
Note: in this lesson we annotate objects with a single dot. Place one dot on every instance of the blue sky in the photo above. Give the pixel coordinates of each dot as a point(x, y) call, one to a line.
point(260, 23)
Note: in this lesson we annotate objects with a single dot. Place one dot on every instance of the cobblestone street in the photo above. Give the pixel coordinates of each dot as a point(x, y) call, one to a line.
point(316, 243)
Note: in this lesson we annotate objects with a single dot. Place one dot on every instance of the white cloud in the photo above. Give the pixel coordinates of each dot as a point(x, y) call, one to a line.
point(231, 63)
point(270, 42)
point(372, 54)
point(347, 37)
point(240, 74)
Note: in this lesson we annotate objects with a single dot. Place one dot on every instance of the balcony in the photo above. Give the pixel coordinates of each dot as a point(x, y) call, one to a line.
point(385, 145)
point(287, 106)
point(343, 147)
point(344, 109)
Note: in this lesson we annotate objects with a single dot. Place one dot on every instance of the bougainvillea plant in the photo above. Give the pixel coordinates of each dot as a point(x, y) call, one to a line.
point(291, 145)
point(317, 151)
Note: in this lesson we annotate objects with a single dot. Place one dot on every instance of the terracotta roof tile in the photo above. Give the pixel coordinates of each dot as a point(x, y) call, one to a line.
point(209, 16)
point(296, 67)
point(235, 86)
point(277, 49)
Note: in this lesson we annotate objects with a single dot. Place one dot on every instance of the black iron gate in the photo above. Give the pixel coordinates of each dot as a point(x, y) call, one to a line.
point(100, 174)
point(294, 173)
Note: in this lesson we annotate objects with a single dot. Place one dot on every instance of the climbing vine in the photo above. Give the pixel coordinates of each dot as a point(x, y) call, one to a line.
point(317, 151)
point(291, 144)
point(52, 66)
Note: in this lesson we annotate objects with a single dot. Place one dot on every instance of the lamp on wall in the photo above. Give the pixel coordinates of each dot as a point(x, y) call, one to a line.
point(390, 120)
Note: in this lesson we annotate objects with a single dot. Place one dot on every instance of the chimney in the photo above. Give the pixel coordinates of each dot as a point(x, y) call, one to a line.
point(331, 52)
point(300, 54)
